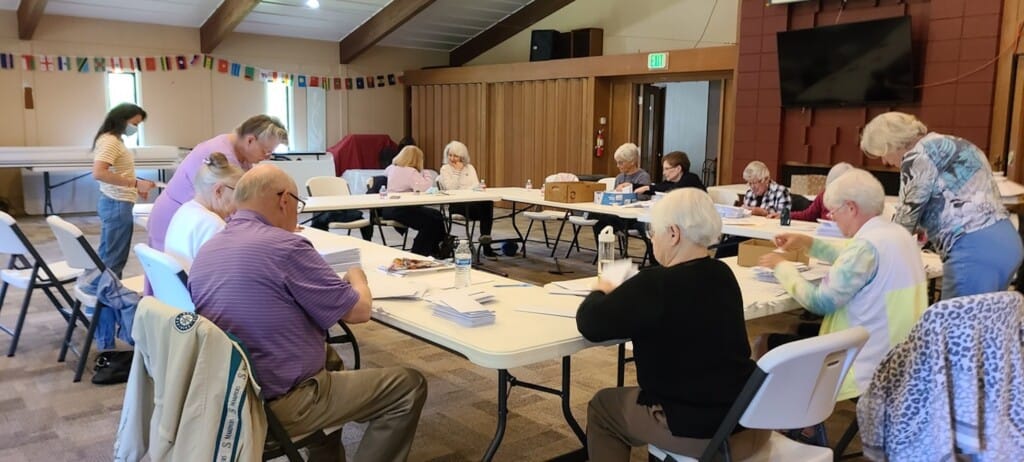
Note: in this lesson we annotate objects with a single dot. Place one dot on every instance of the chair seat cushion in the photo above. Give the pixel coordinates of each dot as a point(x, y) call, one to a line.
point(349, 224)
point(581, 221)
point(546, 215)
point(19, 278)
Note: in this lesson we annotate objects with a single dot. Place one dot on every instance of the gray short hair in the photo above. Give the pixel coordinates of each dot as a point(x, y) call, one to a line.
point(891, 131)
point(692, 211)
point(837, 171)
point(756, 171)
point(264, 128)
point(457, 148)
point(628, 152)
point(857, 186)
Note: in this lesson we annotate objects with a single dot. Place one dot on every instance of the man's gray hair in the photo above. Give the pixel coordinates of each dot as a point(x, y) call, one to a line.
point(857, 186)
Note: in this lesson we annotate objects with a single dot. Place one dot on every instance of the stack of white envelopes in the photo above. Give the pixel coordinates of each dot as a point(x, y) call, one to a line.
point(464, 306)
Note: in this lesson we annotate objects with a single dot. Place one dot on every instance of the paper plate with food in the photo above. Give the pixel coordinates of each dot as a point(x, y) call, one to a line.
point(415, 265)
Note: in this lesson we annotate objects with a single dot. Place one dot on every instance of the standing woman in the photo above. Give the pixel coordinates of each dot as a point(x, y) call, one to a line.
point(250, 143)
point(949, 196)
point(114, 168)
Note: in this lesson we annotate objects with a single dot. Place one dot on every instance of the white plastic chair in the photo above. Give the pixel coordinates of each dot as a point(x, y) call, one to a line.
point(794, 386)
point(166, 276)
point(609, 183)
point(723, 196)
point(579, 221)
point(30, 275)
point(334, 186)
point(377, 215)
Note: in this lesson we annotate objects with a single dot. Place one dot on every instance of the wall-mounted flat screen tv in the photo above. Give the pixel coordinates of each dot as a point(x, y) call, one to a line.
point(856, 64)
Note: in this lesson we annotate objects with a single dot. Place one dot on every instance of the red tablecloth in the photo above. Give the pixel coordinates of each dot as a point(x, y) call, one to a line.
point(359, 152)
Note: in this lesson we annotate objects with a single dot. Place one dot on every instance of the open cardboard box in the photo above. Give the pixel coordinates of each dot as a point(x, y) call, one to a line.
point(572, 191)
point(750, 252)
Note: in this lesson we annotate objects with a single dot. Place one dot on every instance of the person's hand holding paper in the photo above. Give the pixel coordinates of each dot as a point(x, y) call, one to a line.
point(614, 274)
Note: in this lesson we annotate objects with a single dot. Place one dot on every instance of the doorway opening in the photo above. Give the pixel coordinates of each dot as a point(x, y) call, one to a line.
point(680, 116)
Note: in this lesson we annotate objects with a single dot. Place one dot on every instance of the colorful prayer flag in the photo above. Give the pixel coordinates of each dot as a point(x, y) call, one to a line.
point(236, 69)
point(391, 79)
point(150, 64)
point(138, 63)
point(325, 83)
point(166, 63)
point(208, 62)
point(250, 73)
point(222, 66)
point(29, 62)
point(337, 83)
point(99, 64)
point(369, 81)
point(359, 83)
point(301, 81)
point(380, 81)
point(6, 61)
point(63, 63)
point(114, 64)
point(348, 83)
point(182, 63)
point(46, 63)
point(195, 60)
point(82, 64)
point(314, 81)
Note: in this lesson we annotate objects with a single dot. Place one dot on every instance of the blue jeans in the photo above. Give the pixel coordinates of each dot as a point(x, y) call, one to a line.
point(116, 227)
point(982, 261)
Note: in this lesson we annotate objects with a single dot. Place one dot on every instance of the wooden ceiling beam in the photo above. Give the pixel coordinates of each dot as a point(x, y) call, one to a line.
point(29, 14)
point(223, 21)
point(504, 30)
point(386, 20)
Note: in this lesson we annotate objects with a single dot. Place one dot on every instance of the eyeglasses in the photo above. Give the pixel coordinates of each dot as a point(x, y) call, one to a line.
point(300, 204)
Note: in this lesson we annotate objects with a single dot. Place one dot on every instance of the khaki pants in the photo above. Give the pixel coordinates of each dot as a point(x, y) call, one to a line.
point(390, 399)
point(616, 423)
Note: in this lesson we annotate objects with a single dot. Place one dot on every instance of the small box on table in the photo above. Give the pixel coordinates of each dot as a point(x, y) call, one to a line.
point(614, 198)
point(571, 191)
point(750, 252)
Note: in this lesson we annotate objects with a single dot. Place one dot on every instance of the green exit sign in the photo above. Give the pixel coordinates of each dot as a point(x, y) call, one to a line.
point(657, 61)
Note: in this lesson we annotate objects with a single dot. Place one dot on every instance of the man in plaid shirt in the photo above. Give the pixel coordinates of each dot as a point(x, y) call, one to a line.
point(765, 197)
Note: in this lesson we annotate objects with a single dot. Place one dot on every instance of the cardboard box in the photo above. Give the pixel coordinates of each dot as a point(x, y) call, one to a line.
point(614, 198)
point(750, 252)
point(807, 185)
point(572, 192)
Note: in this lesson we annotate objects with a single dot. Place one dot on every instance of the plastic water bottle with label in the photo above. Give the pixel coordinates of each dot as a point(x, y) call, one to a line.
point(383, 192)
point(529, 184)
point(605, 249)
point(463, 262)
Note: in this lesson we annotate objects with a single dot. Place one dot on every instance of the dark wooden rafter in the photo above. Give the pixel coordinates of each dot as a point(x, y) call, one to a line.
point(504, 30)
point(386, 20)
point(223, 21)
point(29, 14)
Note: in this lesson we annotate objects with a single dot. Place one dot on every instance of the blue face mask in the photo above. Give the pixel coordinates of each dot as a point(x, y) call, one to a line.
point(130, 130)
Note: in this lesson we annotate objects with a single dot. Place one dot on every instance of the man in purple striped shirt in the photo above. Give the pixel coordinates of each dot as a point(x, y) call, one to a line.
point(266, 285)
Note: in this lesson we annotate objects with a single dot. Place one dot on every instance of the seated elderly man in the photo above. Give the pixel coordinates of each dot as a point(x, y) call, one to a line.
point(764, 196)
point(689, 340)
point(877, 278)
point(266, 285)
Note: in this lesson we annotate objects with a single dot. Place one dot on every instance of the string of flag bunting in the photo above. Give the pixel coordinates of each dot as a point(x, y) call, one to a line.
point(118, 64)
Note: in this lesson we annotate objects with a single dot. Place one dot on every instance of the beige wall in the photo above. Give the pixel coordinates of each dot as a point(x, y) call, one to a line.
point(186, 107)
point(632, 26)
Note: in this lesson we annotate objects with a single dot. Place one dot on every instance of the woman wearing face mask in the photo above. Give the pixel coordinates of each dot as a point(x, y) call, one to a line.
point(250, 143)
point(114, 168)
point(197, 220)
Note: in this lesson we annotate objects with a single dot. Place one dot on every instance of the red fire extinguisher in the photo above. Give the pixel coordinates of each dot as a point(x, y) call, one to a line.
point(599, 144)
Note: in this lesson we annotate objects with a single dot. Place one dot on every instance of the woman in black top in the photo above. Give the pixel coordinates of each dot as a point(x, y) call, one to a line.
point(692, 355)
point(675, 168)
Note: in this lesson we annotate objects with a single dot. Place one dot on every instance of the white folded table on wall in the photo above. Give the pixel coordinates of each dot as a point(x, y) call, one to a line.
point(73, 159)
point(515, 339)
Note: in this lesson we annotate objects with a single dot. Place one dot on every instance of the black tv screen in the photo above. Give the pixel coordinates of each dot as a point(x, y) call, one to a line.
point(852, 64)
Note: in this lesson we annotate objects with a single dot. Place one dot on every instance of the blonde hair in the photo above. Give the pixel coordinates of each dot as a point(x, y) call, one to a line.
point(693, 212)
point(857, 186)
point(628, 152)
point(409, 156)
point(756, 171)
point(889, 132)
point(457, 148)
point(215, 169)
point(264, 128)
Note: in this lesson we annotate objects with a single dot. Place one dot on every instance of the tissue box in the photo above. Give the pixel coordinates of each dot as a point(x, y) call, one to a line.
point(807, 185)
point(750, 252)
point(614, 198)
point(571, 192)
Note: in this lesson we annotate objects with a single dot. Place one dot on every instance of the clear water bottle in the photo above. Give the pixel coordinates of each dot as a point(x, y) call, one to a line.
point(784, 217)
point(383, 192)
point(483, 185)
point(463, 262)
point(605, 248)
point(529, 184)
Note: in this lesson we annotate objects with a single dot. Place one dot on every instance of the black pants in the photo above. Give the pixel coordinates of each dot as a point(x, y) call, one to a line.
point(427, 221)
point(617, 224)
point(480, 211)
point(323, 220)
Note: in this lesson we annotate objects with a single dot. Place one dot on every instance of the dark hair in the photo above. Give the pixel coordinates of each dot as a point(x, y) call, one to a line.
point(117, 120)
point(407, 141)
point(675, 158)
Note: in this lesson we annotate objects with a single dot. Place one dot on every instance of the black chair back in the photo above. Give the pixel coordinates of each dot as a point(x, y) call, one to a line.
point(373, 186)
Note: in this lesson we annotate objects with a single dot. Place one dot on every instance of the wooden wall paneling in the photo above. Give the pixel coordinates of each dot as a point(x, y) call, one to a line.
point(602, 108)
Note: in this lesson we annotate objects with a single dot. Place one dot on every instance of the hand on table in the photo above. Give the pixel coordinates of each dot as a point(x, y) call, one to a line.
point(756, 211)
point(793, 241)
point(771, 260)
point(604, 286)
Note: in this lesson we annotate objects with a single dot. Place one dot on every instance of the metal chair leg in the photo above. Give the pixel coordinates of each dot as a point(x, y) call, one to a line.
point(84, 356)
point(76, 312)
point(21, 316)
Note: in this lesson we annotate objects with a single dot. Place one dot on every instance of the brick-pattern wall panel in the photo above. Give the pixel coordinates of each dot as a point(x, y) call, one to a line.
point(951, 39)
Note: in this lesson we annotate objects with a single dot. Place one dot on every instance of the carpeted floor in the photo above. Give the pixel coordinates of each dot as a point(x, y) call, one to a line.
point(44, 416)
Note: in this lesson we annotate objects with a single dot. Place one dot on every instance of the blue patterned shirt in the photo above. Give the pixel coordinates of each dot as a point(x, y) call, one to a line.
point(947, 189)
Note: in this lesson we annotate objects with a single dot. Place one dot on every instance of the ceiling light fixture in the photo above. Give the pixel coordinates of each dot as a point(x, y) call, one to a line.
point(314, 4)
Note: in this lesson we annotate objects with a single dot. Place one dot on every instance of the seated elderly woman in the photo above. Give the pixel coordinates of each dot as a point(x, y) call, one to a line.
point(764, 196)
point(876, 281)
point(675, 168)
point(817, 208)
point(458, 173)
point(197, 220)
point(405, 174)
point(692, 355)
point(631, 177)
point(950, 197)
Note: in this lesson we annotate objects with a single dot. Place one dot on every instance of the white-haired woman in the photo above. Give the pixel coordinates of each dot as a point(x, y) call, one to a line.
point(817, 208)
point(459, 173)
point(627, 159)
point(948, 193)
point(692, 355)
point(764, 195)
point(876, 280)
point(197, 220)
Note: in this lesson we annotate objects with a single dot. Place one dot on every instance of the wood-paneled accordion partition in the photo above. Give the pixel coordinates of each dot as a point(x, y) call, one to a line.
point(514, 130)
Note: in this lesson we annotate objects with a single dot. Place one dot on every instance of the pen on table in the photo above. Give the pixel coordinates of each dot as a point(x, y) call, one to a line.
point(521, 284)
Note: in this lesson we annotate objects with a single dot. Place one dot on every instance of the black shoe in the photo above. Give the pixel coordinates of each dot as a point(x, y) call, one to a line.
point(485, 240)
point(488, 251)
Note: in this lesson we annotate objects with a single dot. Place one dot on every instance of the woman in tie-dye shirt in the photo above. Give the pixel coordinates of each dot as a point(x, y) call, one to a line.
point(947, 191)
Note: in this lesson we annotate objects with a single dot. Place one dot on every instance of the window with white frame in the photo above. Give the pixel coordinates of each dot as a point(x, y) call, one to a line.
point(124, 88)
point(279, 104)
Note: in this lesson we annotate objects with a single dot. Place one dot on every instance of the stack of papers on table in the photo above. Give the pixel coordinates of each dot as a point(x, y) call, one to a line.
point(828, 228)
point(728, 211)
point(768, 275)
point(580, 287)
point(384, 287)
point(342, 260)
point(463, 306)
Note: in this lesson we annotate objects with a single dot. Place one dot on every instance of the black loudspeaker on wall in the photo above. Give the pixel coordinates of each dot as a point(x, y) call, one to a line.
point(542, 44)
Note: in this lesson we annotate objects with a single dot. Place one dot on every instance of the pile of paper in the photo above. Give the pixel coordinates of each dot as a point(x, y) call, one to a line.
point(579, 287)
point(464, 306)
point(385, 287)
point(828, 228)
point(728, 211)
point(768, 275)
point(342, 260)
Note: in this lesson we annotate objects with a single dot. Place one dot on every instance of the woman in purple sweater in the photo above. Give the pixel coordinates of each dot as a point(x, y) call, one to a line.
point(252, 142)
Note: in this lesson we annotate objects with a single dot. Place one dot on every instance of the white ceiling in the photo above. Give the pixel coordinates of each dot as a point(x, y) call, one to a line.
point(446, 24)
point(291, 18)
